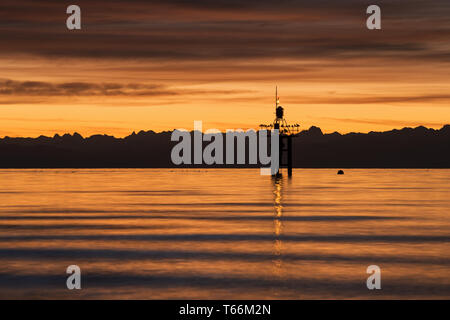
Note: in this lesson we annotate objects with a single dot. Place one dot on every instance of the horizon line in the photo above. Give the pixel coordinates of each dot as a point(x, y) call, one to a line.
point(75, 133)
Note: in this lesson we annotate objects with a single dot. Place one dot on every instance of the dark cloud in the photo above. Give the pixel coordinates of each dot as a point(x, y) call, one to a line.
point(40, 88)
point(226, 29)
point(385, 99)
point(46, 89)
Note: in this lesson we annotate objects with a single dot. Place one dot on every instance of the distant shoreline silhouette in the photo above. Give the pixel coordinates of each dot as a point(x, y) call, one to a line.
point(418, 147)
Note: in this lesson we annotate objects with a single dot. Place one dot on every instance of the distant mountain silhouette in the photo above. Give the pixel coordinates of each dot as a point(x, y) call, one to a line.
point(406, 148)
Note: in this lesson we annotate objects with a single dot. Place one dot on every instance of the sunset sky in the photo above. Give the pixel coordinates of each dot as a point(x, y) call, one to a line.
point(161, 64)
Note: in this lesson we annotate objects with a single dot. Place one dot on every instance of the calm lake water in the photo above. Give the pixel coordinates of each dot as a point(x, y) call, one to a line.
point(232, 234)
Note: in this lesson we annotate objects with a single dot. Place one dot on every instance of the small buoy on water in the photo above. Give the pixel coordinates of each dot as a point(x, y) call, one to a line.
point(340, 172)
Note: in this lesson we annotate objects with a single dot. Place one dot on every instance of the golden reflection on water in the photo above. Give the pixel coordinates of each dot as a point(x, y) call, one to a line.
point(278, 225)
point(167, 234)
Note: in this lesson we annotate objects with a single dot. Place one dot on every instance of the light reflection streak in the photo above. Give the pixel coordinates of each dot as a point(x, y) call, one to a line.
point(278, 226)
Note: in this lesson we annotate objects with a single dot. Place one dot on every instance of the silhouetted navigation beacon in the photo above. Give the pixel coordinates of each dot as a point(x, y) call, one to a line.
point(279, 112)
point(286, 131)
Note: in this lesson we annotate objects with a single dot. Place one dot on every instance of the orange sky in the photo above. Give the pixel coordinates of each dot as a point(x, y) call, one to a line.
point(161, 66)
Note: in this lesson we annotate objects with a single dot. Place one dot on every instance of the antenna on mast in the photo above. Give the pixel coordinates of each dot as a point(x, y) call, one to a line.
point(277, 100)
